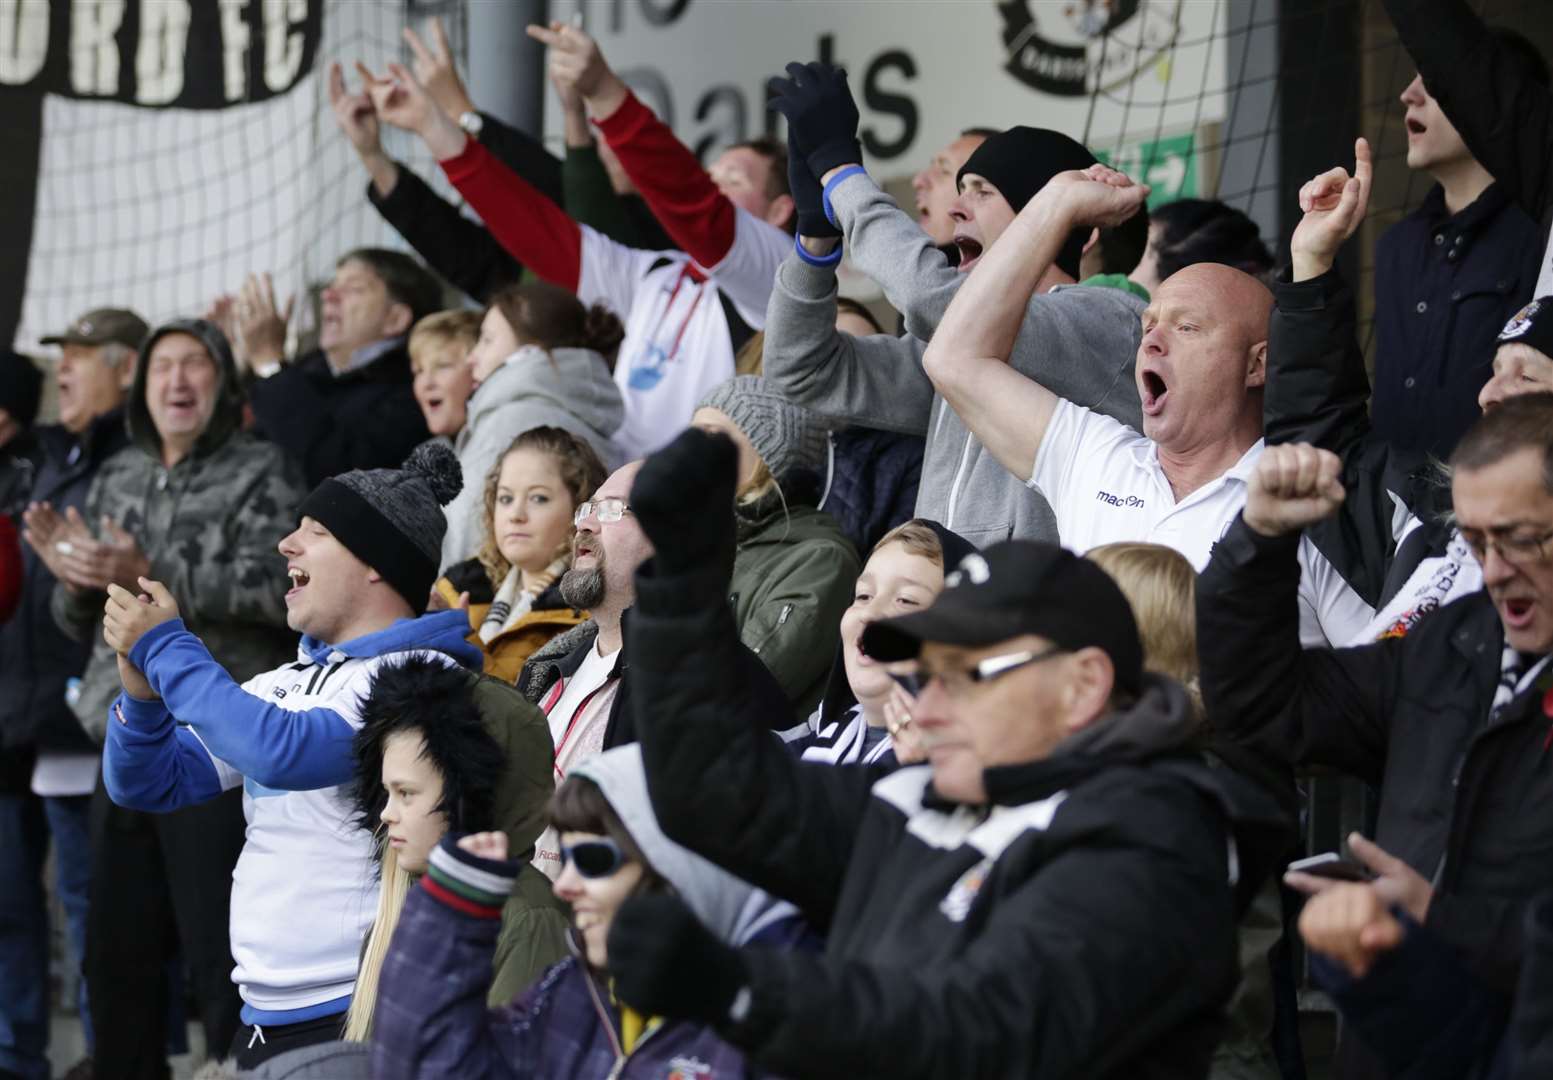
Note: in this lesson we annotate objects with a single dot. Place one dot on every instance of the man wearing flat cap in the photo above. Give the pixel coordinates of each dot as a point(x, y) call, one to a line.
point(1054, 893)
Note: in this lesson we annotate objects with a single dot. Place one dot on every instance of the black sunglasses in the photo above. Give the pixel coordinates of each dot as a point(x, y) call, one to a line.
point(593, 858)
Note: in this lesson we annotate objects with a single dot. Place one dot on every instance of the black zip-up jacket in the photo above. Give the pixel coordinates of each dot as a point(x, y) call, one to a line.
point(1503, 113)
point(1080, 925)
point(1466, 803)
point(1317, 392)
point(330, 424)
point(36, 657)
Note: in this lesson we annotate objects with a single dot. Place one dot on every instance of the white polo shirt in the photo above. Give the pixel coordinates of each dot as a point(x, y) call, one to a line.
point(1105, 485)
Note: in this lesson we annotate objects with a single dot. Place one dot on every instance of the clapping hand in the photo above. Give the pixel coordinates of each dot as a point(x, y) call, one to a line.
point(127, 617)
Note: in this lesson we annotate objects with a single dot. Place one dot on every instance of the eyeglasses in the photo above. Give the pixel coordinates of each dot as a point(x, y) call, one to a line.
point(606, 510)
point(958, 682)
point(1519, 549)
point(594, 858)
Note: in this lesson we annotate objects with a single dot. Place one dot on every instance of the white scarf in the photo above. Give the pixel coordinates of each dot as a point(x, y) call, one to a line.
point(513, 601)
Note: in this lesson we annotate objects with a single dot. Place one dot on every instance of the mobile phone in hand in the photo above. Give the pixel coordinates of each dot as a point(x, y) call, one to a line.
point(1329, 864)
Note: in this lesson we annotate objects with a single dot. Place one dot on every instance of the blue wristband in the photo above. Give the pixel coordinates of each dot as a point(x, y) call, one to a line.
point(830, 211)
point(823, 261)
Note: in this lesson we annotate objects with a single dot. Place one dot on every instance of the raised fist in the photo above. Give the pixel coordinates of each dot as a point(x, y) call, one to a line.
point(1292, 486)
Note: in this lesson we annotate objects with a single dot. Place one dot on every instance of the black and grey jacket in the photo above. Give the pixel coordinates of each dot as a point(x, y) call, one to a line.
point(1080, 923)
point(1465, 799)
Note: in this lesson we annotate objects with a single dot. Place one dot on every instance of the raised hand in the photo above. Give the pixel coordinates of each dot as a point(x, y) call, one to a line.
point(354, 114)
point(403, 102)
point(577, 65)
point(223, 312)
point(1098, 196)
point(1334, 204)
point(822, 118)
point(666, 963)
point(1350, 923)
point(485, 845)
point(435, 69)
point(1292, 486)
point(126, 617)
point(261, 325)
point(683, 499)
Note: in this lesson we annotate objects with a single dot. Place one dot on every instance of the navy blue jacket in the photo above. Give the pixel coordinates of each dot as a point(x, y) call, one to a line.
point(873, 482)
point(1444, 287)
point(36, 658)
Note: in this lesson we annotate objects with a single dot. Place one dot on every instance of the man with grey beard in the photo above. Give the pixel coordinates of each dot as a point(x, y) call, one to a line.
point(576, 678)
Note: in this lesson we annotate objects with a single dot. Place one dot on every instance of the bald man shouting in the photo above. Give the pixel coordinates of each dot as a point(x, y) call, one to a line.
point(1200, 370)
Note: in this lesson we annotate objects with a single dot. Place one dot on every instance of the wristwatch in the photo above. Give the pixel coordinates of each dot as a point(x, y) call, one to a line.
point(472, 122)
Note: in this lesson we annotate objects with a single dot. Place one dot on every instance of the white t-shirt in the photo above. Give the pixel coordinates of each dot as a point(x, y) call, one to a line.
point(677, 344)
point(578, 720)
point(1105, 485)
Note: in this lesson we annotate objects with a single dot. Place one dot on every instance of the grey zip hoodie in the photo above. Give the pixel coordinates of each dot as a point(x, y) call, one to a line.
point(565, 388)
point(1079, 342)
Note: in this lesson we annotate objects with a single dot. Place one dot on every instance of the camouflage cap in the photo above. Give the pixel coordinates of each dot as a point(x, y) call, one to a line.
point(103, 326)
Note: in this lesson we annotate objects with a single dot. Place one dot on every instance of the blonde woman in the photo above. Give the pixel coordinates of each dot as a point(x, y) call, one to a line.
point(531, 495)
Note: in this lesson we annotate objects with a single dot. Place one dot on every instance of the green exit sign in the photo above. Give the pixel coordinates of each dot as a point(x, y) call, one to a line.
point(1169, 166)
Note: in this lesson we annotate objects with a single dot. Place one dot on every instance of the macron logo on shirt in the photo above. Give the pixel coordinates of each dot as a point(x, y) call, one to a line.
point(1130, 501)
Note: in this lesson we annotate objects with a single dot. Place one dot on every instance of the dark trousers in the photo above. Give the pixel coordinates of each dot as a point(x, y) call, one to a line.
point(256, 1044)
point(161, 884)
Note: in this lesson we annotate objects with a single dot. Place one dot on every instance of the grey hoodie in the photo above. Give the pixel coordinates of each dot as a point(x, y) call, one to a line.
point(730, 908)
point(564, 388)
point(1079, 342)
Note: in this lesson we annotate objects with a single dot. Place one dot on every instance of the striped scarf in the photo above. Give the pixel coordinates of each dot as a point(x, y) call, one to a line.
point(512, 601)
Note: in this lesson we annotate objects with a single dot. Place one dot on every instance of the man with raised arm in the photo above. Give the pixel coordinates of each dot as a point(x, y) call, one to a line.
point(1080, 341)
point(1049, 896)
point(1200, 371)
point(686, 312)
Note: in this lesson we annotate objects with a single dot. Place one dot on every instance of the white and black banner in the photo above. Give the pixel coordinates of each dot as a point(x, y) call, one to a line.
point(159, 150)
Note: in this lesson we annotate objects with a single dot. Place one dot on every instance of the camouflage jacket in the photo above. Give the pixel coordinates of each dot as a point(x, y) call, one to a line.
point(209, 526)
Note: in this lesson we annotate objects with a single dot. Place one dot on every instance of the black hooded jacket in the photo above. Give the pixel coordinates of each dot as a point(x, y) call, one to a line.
point(1082, 924)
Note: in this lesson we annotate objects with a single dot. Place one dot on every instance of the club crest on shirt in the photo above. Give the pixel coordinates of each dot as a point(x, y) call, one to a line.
point(688, 1068)
point(1075, 48)
point(957, 902)
point(1520, 322)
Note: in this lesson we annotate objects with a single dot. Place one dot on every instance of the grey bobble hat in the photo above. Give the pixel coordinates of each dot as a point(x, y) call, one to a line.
point(392, 519)
point(787, 437)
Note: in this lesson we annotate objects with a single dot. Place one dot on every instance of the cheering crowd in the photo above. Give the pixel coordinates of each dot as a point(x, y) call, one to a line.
point(649, 664)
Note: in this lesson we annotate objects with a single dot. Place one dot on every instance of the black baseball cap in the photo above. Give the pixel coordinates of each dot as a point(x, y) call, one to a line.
point(1021, 587)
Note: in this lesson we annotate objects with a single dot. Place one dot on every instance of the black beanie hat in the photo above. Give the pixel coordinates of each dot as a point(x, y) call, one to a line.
point(392, 519)
point(1531, 326)
point(21, 386)
point(1019, 162)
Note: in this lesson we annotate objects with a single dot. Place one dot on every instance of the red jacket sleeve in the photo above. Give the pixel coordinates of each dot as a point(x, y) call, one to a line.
point(534, 230)
point(10, 567)
point(698, 217)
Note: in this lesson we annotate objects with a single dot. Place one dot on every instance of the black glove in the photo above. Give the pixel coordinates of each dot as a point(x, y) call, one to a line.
point(808, 195)
point(683, 498)
point(821, 115)
point(666, 963)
